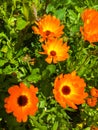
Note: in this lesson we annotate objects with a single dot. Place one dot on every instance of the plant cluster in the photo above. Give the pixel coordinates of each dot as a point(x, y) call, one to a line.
point(48, 65)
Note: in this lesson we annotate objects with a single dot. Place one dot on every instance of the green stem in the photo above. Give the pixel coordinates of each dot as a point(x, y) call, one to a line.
point(29, 67)
point(59, 66)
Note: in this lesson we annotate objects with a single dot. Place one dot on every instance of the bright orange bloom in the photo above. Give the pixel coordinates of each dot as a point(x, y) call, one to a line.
point(48, 27)
point(94, 127)
point(88, 14)
point(90, 28)
point(69, 90)
point(22, 101)
point(92, 101)
point(56, 50)
point(94, 92)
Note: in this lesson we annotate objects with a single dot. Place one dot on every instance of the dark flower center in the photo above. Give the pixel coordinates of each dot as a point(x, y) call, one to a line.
point(66, 90)
point(47, 33)
point(52, 53)
point(22, 100)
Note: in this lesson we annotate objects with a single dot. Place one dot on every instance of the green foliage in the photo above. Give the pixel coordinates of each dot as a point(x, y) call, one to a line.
point(89, 116)
point(20, 61)
point(34, 76)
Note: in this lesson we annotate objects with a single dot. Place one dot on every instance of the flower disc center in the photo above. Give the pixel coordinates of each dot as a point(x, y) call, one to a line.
point(52, 53)
point(22, 100)
point(66, 90)
point(47, 33)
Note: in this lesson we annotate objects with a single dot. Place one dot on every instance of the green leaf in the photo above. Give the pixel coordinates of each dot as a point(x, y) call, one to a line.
point(35, 76)
point(60, 13)
point(34, 129)
point(88, 128)
point(55, 126)
point(49, 117)
point(9, 54)
point(2, 62)
point(50, 8)
point(3, 35)
point(21, 24)
point(11, 21)
point(0, 71)
point(7, 70)
point(4, 49)
point(42, 104)
point(1, 54)
point(72, 15)
point(74, 29)
point(26, 11)
point(51, 68)
point(37, 124)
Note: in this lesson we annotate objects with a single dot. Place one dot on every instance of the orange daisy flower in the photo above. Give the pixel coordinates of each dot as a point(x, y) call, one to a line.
point(92, 101)
point(90, 28)
point(56, 50)
point(69, 90)
point(94, 92)
point(48, 27)
point(22, 101)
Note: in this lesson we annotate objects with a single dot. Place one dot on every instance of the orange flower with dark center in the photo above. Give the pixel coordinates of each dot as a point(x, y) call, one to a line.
point(92, 101)
point(56, 50)
point(69, 90)
point(94, 92)
point(48, 27)
point(52, 53)
point(22, 101)
point(90, 27)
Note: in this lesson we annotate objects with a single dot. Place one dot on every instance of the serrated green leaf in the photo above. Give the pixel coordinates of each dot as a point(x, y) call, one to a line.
point(35, 76)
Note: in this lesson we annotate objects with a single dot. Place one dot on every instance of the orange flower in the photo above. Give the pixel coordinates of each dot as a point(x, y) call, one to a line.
point(69, 90)
point(56, 50)
point(92, 101)
point(94, 127)
point(48, 27)
point(88, 14)
point(22, 101)
point(90, 28)
point(94, 92)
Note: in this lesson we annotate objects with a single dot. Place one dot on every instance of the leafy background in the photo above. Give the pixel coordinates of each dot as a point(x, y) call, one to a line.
point(20, 61)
